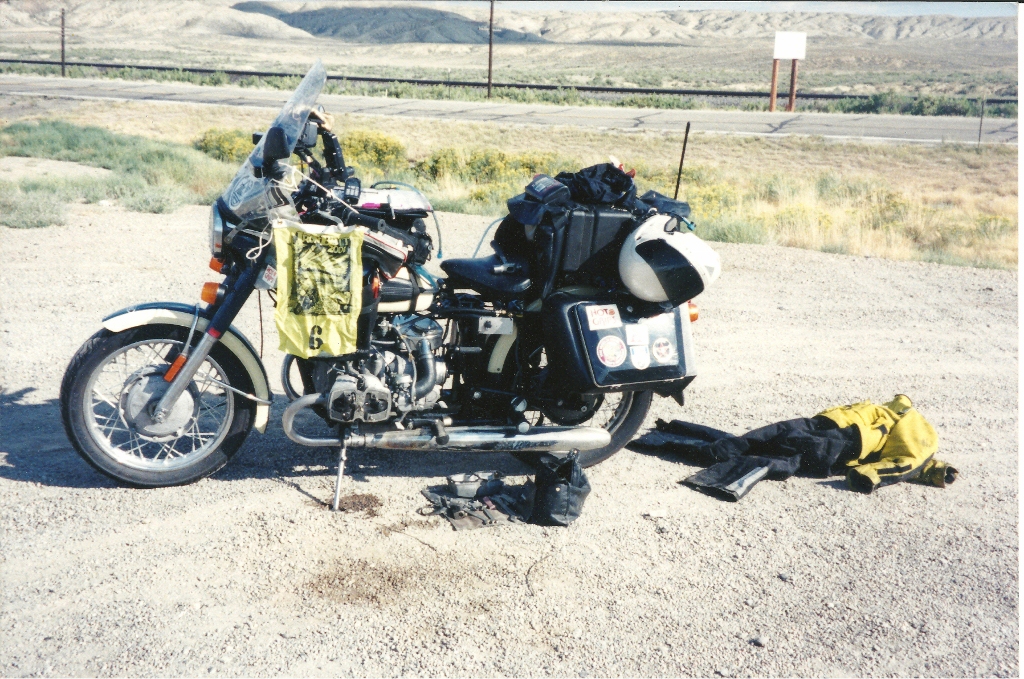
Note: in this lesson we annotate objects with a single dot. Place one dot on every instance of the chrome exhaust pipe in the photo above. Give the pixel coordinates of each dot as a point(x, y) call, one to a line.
point(288, 422)
point(489, 439)
point(460, 439)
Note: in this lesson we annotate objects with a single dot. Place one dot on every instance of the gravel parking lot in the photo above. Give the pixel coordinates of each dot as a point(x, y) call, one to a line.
point(247, 573)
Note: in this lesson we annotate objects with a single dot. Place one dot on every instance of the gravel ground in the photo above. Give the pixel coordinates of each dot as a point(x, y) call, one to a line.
point(246, 573)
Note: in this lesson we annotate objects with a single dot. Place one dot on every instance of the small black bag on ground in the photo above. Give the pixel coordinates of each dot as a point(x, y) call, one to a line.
point(561, 489)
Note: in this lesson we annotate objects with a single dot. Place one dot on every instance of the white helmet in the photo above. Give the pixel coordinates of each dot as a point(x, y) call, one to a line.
point(659, 264)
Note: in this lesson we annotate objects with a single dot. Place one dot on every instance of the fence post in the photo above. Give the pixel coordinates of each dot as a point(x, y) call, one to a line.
point(490, 50)
point(982, 121)
point(62, 60)
point(775, 85)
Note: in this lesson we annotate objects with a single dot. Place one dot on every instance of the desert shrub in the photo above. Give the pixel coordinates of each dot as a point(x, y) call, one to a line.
point(147, 175)
point(157, 163)
point(21, 210)
point(668, 101)
point(489, 165)
point(232, 146)
point(886, 209)
point(832, 188)
point(732, 229)
point(443, 163)
point(920, 105)
point(802, 218)
point(157, 199)
point(774, 188)
point(373, 149)
point(711, 201)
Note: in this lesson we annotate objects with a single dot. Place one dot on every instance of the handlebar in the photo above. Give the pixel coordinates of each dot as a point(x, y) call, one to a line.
point(349, 217)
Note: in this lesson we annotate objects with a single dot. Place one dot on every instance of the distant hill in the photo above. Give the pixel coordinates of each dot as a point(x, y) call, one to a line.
point(391, 22)
point(674, 27)
point(384, 25)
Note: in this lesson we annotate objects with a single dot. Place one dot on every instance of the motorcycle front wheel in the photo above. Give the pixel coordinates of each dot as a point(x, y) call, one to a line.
point(113, 382)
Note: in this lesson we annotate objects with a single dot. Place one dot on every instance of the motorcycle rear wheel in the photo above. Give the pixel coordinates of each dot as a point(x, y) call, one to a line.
point(621, 413)
point(623, 426)
point(114, 377)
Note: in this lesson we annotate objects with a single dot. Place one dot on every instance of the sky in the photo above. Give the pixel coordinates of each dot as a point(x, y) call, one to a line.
point(960, 9)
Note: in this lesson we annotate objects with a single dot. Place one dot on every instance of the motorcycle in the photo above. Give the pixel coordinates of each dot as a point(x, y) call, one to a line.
point(488, 358)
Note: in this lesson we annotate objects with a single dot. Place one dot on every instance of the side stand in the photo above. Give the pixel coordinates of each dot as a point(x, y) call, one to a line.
point(342, 457)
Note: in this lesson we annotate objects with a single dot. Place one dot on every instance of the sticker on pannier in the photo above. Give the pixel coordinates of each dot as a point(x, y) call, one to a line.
point(319, 291)
point(603, 317)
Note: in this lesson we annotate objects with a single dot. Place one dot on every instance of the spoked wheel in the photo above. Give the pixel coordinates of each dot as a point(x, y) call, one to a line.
point(622, 414)
point(111, 387)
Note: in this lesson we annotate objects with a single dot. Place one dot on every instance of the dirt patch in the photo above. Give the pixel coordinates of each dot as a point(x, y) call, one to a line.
point(360, 502)
point(362, 581)
point(13, 168)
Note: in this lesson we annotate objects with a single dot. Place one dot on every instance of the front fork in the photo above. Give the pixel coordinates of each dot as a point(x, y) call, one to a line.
point(235, 297)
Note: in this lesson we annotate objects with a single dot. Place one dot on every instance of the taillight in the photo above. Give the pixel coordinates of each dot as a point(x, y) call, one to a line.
point(694, 313)
point(212, 293)
point(216, 264)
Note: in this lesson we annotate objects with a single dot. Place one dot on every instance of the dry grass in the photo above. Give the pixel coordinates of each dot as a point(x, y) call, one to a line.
point(948, 203)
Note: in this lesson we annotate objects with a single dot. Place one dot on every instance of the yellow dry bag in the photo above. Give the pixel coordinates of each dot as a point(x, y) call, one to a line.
point(319, 291)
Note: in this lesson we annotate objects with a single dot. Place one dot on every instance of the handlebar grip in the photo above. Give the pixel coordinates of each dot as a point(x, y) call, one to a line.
point(368, 222)
point(350, 217)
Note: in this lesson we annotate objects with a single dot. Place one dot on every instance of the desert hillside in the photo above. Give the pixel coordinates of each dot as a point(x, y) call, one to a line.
point(389, 23)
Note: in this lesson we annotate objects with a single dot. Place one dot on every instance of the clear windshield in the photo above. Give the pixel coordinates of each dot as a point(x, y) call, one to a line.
point(247, 195)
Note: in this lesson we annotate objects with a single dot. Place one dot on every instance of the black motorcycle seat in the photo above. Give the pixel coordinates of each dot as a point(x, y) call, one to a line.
point(478, 275)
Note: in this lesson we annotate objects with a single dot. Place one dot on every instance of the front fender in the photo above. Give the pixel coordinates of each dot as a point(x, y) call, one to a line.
point(174, 313)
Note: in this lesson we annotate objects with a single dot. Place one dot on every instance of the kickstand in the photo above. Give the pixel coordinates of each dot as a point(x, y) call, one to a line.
point(342, 457)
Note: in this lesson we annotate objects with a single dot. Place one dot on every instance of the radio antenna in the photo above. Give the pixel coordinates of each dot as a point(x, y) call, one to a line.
point(679, 175)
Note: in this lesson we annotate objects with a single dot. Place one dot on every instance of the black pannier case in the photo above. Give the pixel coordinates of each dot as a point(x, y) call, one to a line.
point(599, 346)
point(589, 231)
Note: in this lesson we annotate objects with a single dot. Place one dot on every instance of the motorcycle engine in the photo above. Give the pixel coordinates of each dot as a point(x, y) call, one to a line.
point(392, 382)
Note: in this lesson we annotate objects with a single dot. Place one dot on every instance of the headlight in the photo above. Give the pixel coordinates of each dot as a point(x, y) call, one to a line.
point(216, 231)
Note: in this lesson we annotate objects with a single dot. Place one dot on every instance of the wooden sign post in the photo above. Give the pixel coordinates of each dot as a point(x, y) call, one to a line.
point(788, 45)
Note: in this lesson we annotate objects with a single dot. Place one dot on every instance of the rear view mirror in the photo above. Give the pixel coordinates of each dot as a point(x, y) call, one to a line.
point(309, 133)
point(275, 146)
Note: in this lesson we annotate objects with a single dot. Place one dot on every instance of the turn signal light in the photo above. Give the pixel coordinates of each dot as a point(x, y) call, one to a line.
point(694, 313)
point(216, 264)
point(211, 293)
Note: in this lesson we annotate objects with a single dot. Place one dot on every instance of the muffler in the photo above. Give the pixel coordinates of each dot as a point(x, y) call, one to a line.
point(460, 439)
point(489, 439)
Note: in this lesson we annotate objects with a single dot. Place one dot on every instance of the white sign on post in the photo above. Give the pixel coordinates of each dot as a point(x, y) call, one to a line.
point(790, 45)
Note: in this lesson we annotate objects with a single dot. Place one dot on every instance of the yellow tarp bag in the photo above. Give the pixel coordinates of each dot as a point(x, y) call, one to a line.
point(319, 291)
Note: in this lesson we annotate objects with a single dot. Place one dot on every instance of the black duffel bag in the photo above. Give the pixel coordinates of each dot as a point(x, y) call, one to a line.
point(561, 489)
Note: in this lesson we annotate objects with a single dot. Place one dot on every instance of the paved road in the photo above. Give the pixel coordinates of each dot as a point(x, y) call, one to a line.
point(833, 126)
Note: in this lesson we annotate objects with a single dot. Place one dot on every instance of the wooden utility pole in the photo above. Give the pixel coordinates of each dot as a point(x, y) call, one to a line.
point(775, 85)
point(62, 60)
point(791, 106)
point(490, 51)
